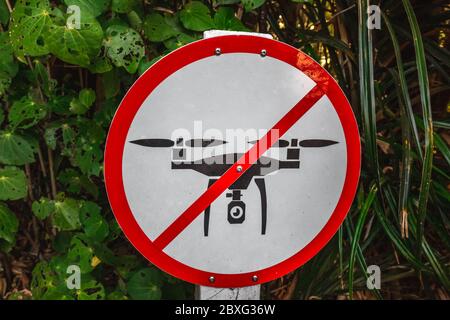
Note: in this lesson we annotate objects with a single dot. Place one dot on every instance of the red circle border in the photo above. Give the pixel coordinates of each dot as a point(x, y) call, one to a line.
point(144, 86)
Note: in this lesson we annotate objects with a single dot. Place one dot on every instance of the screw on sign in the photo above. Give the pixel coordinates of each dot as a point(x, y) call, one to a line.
point(232, 161)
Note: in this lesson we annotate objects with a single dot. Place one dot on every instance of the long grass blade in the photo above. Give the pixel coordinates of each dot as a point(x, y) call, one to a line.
point(428, 121)
point(403, 85)
point(366, 88)
point(355, 241)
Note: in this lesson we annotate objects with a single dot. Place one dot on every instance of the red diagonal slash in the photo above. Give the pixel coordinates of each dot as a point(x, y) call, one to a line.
point(245, 162)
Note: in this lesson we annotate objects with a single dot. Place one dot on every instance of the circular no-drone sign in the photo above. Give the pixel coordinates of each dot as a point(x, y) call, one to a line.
point(232, 161)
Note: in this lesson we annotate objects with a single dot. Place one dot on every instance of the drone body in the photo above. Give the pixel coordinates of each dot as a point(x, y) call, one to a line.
point(215, 166)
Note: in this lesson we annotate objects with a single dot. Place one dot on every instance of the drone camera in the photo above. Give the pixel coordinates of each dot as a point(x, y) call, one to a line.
point(236, 208)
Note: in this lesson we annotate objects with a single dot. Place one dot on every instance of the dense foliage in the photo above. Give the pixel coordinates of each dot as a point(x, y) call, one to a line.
point(60, 84)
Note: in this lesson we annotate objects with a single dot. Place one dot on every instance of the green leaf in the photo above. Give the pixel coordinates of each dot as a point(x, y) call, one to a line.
point(196, 16)
point(8, 66)
point(4, 13)
point(13, 184)
point(117, 295)
point(75, 182)
point(95, 227)
point(29, 27)
point(67, 214)
point(145, 285)
point(43, 280)
point(249, 5)
point(81, 254)
point(76, 46)
point(225, 19)
point(84, 101)
point(76, 107)
point(222, 2)
point(178, 41)
point(8, 225)
point(87, 97)
point(43, 208)
point(124, 46)
point(100, 65)
point(123, 6)
point(91, 289)
point(92, 7)
point(157, 29)
point(15, 149)
point(25, 113)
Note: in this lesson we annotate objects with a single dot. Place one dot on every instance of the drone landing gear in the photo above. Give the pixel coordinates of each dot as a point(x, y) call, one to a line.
point(262, 190)
point(207, 210)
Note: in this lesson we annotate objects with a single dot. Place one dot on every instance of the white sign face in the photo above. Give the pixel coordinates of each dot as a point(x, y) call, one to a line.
point(193, 127)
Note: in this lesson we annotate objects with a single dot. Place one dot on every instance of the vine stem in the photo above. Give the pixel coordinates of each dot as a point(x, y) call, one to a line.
point(52, 173)
point(8, 4)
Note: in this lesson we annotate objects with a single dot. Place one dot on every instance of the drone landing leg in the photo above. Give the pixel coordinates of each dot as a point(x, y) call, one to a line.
point(262, 190)
point(207, 210)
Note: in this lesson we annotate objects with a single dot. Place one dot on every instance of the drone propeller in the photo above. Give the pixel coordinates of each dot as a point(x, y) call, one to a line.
point(154, 143)
point(202, 143)
point(279, 144)
point(311, 143)
point(166, 143)
point(316, 143)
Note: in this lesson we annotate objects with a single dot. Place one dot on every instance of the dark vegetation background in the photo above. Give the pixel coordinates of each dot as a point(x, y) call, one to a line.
point(60, 86)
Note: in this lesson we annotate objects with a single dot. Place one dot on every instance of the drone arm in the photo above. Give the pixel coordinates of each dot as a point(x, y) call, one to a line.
point(262, 190)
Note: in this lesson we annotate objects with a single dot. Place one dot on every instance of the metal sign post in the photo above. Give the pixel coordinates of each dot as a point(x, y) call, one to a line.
point(231, 162)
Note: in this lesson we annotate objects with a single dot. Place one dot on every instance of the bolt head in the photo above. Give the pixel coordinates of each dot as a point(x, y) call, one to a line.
point(218, 51)
point(255, 278)
point(212, 279)
point(263, 53)
point(239, 169)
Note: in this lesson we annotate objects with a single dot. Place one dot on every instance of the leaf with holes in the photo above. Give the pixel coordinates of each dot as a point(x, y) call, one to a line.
point(25, 113)
point(145, 284)
point(124, 46)
point(13, 184)
point(91, 289)
point(88, 158)
point(8, 226)
point(157, 29)
point(29, 27)
point(95, 227)
point(15, 149)
point(249, 5)
point(76, 46)
point(43, 208)
point(81, 254)
point(92, 7)
point(226, 20)
point(196, 16)
point(43, 280)
point(66, 215)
